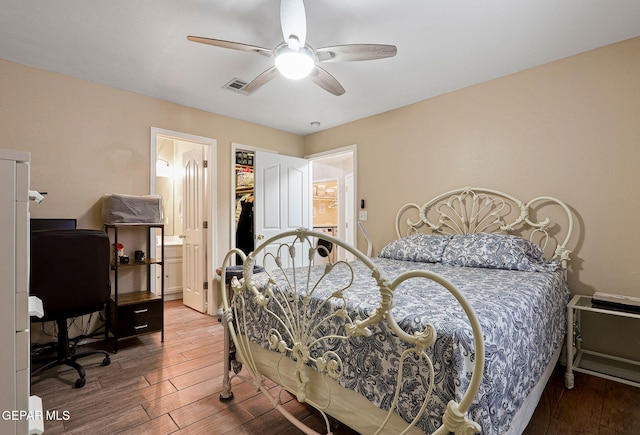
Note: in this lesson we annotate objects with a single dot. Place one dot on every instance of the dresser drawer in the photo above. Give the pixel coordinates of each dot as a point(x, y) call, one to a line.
point(138, 318)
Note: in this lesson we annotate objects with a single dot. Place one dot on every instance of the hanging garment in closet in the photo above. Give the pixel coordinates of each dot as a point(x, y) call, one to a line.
point(244, 231)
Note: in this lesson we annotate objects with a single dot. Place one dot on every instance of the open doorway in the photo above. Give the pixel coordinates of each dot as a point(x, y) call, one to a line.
point(334, 197)
point(183, 172)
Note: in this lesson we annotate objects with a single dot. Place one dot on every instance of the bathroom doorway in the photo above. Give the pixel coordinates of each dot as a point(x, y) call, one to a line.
point(183, 172)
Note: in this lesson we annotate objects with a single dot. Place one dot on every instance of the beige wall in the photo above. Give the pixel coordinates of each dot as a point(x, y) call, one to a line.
point(75, 129)
point(569, 129)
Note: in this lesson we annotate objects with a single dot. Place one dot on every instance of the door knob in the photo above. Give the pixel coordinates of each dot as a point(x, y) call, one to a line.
point(182, 236)
point(260, 237)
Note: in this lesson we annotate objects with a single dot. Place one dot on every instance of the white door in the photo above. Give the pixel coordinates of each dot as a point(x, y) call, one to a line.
point(282, 197)
point(194, 216)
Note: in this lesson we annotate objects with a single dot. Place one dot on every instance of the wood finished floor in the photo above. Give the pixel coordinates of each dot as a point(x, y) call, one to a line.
point(173, 388)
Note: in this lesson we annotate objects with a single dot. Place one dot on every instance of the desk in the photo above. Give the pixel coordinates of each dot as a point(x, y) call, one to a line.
point(595, 363)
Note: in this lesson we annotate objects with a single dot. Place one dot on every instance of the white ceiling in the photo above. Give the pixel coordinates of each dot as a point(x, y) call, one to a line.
point(443, 45)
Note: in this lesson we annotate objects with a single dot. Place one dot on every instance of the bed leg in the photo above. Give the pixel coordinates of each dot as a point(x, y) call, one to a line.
point(226, 393)
point(568, 376)
point(568, 380)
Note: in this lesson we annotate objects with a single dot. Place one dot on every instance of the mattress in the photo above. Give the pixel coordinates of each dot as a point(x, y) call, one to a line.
point(522, 314)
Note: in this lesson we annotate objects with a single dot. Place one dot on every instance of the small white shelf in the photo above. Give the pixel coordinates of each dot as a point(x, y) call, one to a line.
point(596, 363)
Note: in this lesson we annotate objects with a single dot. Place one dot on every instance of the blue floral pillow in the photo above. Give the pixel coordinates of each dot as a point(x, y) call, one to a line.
point(496, 251)
point(423, 248)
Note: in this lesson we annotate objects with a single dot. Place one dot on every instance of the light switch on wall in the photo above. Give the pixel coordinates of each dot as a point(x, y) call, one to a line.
point(363, 215)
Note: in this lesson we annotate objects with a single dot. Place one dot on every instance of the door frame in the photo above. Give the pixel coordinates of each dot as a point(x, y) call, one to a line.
point(211, 153)
point(353, 149)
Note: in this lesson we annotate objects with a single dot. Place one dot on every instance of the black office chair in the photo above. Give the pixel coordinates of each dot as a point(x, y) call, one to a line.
point(70, 274)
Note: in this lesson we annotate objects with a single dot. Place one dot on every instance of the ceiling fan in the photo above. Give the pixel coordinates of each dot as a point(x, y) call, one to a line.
point(295, 59)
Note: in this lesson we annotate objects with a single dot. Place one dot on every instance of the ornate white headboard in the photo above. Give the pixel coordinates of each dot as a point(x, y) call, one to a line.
point(544, 220)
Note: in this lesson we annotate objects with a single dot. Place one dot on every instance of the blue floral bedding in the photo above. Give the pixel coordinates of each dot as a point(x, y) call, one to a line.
point(522, 313)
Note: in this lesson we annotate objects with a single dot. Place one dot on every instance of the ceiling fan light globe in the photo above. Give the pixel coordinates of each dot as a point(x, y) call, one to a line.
point(293, 64)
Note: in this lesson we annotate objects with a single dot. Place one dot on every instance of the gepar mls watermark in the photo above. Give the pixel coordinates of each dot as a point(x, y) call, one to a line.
point(49, 415)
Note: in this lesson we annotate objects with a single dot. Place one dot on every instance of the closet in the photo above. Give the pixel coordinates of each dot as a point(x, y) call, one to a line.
point(272, 194)
point(244, 197)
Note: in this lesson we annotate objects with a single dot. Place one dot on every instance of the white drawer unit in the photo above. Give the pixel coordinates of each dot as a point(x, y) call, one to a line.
point(18, 414)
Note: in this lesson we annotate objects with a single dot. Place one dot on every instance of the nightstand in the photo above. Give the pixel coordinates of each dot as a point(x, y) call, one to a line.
point(596, 363)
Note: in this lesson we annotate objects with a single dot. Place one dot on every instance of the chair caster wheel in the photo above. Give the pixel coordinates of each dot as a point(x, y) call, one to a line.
point(80, 382)
point(106, 361)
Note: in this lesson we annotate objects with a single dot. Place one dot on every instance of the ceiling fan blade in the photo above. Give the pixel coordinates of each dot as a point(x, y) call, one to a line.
point(355, 52)
point(294, 23)
point(232, 45)
point(326, 81)
point(262, 79)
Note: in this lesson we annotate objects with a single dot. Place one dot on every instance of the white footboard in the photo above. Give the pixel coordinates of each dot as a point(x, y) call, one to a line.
point(289, 323)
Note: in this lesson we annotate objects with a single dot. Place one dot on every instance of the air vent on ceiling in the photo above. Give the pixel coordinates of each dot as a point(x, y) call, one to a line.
point(237, 85)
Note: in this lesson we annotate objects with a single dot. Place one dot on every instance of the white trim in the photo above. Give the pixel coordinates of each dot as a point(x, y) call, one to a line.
point(345, 149)
point(211, 154)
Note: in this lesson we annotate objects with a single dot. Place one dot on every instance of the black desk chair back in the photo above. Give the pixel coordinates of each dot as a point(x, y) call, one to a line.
point(70, 274)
